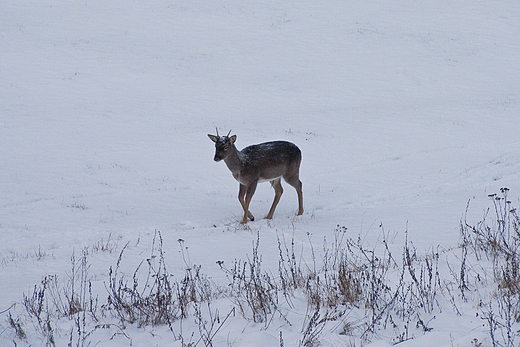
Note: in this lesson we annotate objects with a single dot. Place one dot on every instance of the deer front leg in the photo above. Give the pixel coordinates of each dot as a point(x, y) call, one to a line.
point(241, 194)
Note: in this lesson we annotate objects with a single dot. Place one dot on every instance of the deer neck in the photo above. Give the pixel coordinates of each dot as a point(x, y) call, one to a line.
point(233, 160)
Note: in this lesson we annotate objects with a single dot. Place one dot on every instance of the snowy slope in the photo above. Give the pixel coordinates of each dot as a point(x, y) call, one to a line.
point(403, 111)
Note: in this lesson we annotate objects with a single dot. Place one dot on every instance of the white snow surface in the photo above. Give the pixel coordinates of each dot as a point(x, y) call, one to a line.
point(404, 111)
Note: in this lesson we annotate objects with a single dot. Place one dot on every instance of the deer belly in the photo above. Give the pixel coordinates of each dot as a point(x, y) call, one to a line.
point(246, 180)
point(262, 179)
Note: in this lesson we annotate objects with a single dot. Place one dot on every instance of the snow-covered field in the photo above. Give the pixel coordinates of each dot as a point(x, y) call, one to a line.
point(404, 111)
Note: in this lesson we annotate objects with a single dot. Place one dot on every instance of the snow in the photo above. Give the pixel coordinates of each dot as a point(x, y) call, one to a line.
point(404, 112)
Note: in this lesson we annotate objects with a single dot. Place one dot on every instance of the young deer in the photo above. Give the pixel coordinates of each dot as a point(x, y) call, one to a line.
point(269, 161)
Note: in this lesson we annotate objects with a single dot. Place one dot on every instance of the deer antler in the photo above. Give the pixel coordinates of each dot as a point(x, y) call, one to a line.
point(228, 133)
point(217, 131)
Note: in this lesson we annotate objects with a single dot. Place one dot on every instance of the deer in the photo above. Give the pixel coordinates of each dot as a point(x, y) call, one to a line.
point(268, 161)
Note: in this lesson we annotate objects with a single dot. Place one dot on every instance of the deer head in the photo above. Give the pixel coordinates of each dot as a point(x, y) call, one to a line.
point(223, 145)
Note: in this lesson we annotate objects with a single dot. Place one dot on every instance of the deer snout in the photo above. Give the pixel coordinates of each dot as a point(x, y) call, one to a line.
point(217, 158)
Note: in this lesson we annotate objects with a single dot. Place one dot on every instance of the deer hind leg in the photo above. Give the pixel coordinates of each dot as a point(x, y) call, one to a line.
point(244, 196)
point(294, 181)
point(278, 191)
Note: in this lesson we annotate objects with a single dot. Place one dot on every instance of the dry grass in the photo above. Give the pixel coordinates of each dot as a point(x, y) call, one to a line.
point(358, 289)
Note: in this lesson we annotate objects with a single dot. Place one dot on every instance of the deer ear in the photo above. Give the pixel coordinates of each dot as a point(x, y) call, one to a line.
point(233, 138)
point(213, 138)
